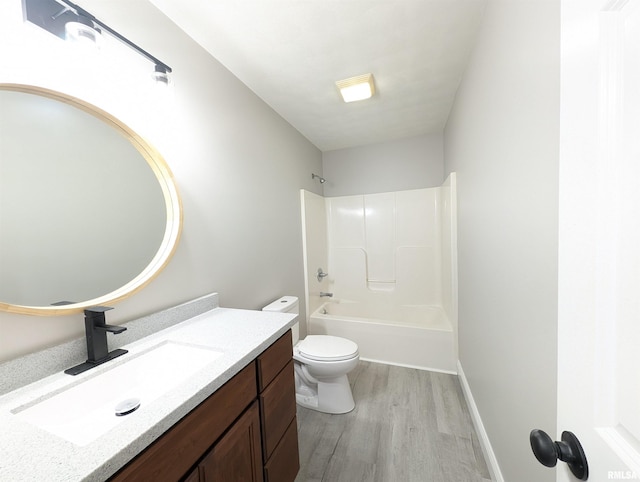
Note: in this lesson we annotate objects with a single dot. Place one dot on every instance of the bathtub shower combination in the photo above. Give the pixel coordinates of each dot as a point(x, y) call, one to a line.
point(391, 264)
point(416, 336)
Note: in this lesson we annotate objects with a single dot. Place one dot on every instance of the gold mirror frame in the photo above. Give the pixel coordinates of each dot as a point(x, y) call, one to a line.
point(173, 205)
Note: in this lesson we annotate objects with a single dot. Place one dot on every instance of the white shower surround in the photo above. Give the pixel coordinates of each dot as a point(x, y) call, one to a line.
point(387, 255)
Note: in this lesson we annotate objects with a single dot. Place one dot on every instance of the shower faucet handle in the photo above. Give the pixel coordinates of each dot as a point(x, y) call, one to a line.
point(321, 275)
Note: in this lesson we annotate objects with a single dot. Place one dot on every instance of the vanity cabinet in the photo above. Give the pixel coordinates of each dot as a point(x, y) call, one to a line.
point(245, 431)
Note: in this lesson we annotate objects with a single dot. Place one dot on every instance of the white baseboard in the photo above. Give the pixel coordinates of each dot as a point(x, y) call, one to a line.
point(487, 450)
point(404, 365)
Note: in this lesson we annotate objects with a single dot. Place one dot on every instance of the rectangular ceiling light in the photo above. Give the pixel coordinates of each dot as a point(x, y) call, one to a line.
point(356, 88)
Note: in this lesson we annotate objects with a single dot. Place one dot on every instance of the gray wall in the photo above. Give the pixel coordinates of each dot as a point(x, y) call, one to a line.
point(239, 168)
point(502, 139)
point(411, 163)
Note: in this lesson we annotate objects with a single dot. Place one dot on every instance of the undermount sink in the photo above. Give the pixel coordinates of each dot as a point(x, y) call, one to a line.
point(84, 411)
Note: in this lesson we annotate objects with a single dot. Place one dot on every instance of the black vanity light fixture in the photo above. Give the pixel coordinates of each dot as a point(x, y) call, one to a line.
point(70, 21)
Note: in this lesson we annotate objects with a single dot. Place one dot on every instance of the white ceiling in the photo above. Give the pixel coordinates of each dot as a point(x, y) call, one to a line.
point(291, 52)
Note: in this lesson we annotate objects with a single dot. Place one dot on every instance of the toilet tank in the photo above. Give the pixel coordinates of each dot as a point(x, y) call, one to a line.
point(287, 304)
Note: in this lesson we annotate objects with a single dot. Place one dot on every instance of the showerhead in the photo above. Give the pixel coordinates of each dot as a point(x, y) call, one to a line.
point(321, 179)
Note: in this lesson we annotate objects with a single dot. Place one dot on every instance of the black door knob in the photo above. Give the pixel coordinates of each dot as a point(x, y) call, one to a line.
point(568, 450)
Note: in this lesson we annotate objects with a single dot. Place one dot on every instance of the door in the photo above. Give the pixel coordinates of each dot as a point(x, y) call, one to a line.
point(237, 456)
point(599, 240)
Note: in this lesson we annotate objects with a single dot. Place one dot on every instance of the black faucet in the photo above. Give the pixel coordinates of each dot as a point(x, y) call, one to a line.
point(96, 333)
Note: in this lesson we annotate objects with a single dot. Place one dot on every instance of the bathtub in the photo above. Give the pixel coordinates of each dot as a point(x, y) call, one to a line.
point(417, 336)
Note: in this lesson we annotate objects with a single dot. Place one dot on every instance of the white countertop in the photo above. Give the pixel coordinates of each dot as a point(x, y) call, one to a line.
point(30, 453)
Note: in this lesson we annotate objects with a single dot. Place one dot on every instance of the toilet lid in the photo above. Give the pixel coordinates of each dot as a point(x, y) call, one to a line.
point(327, 348)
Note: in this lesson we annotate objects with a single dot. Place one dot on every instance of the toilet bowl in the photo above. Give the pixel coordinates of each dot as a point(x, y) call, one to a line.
point(321, 364)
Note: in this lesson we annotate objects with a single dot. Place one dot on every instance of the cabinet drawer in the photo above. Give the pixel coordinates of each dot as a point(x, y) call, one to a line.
point(284, 464)
point(277, 408)
point(174, 453)
point(273, 359)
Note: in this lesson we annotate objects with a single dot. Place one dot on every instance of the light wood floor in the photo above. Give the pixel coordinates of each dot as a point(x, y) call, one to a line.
point(408, 426)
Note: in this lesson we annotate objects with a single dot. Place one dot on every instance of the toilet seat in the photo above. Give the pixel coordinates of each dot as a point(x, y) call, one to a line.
point(327, 348)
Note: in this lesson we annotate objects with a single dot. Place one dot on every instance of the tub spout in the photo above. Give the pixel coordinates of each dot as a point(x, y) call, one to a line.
point(323, 294)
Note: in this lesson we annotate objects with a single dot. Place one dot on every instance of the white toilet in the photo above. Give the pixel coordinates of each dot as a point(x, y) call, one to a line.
point(321, 365)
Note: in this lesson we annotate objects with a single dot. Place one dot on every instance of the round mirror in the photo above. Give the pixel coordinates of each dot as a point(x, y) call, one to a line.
point(89, 212)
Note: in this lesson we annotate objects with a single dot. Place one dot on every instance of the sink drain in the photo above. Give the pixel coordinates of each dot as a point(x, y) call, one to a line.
point(127, 406)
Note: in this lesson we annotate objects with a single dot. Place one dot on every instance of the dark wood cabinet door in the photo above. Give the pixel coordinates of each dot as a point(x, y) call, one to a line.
point(194, 476)
point(237, 456)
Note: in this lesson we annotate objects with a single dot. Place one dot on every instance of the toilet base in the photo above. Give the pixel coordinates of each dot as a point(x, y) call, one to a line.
point(307, 401)
point(332, 396)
